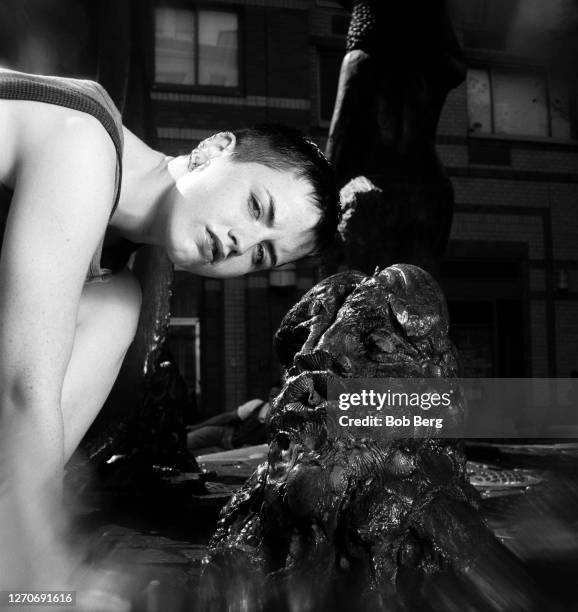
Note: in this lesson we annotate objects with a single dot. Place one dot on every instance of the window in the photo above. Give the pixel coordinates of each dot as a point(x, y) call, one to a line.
point(184, 343)
point(517, 103)
point(519, 14)
point(196, 47)
point(329, 68)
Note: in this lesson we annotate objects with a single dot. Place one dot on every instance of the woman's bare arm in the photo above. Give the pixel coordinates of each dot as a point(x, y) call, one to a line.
point(62, 200)
point(107, 322)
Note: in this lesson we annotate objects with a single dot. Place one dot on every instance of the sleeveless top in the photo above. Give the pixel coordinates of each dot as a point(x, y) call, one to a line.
point(86, 96)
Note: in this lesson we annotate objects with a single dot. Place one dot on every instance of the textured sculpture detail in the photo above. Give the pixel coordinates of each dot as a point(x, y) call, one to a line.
point(331, 520)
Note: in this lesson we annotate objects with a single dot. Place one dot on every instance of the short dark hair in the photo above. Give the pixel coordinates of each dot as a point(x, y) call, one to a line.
point(284, 148)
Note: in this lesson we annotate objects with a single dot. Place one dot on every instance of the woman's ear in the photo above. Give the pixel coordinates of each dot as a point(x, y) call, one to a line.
point(222, 143)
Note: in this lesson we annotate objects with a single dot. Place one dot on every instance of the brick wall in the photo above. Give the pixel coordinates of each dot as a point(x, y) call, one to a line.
point(259, 336)
point(212, 349)
point(564, 207)
point(537, 180)
point(566, 336)
point(287, 53)
point(539, 338)
point(235, 349)
point(488, 227)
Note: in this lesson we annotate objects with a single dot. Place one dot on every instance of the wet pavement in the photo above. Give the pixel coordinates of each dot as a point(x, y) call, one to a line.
point(157, 540)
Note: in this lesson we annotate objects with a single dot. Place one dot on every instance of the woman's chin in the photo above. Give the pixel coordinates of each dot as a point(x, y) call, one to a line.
point(202, 267)
point(210, 271)
point(187, 262)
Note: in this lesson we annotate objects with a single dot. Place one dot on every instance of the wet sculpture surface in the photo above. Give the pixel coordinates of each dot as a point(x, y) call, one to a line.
point(332, 519)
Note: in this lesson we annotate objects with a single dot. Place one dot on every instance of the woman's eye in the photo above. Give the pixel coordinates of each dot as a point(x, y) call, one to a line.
point(260, 256)
point(255, 207)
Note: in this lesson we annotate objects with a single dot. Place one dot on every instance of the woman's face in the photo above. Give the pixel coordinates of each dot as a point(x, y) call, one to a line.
point(231, 218)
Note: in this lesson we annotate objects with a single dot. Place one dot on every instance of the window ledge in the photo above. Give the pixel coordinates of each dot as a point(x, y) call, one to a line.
point(571, 143)
point(198, 89)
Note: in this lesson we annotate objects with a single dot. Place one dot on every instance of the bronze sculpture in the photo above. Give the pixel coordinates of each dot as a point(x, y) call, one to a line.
point(402, 59)
point(340, 521)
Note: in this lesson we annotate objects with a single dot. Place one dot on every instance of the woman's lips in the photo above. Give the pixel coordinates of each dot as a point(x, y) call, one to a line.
point(212, 248)
point(208, 247)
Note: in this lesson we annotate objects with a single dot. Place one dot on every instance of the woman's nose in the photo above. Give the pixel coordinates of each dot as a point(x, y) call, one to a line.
point(240, 241)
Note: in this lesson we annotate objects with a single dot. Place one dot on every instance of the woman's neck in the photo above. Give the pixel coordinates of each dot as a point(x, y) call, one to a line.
point(148, 178)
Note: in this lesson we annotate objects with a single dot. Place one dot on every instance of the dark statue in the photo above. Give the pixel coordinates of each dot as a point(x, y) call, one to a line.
point(335, 521)
point(402, 59)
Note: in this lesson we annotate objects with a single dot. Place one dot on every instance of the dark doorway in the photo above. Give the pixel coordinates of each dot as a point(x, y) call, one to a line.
point(485, 286)
point(489, 335)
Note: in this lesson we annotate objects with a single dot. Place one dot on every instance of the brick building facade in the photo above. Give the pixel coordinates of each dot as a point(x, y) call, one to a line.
point(506, 137)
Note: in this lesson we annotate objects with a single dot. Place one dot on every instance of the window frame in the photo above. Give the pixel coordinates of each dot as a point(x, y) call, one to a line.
point(330, 4)
point(196, 7)
point(524, 69)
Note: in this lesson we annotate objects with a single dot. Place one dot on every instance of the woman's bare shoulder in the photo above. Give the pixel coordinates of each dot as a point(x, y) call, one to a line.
point(29, 126)
point(63, 192)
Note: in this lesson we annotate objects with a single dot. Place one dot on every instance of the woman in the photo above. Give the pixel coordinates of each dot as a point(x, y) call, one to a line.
point(243, 426)
point(80, 192)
